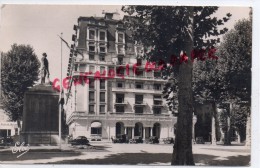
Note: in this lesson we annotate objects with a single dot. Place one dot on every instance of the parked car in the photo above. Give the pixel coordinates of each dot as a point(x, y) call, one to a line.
point(153, 140)
point(168, 140)
point(6, 140)
point(80, 140)
point(136, 139)
point(120, 138)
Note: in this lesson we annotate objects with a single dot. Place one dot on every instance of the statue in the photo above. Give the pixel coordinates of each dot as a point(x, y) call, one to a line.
point(45, 68)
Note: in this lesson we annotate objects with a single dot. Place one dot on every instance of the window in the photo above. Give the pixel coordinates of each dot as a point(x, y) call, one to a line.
point(120, 38)
point(91, 69)
point(102, 109)
point(96, 131)
point(139, 110)
point(139, 61)
point(91, 57)
point(158, 97)
point(120, 98)
point(157, 86)
point(91, 83)
point(102, 84)
point(91, 109)
point(139, 51)
point(120, 49)
point(119, 84)
point(120, 109)
point(139, 85)
point(102, 49)
point(102, 97)
point(157, 110)
point(120, 60)
point(91, 34)
point(120, 71)
point(91, 97)
point(157, 100)
point(157, 74)
point(101, 57)
point(102, 36)
point(139, 73)
point(91, 49)
point(139, 99)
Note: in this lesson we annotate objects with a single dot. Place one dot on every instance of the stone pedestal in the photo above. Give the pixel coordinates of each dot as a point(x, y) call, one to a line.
point(41, 115)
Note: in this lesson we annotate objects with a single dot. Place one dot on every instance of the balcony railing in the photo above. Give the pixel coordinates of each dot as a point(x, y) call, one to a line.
point(143, 116)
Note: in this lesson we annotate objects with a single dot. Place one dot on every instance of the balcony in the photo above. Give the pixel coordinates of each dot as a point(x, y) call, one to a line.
point(140, 103)
point(82, 115)
point(118, 103)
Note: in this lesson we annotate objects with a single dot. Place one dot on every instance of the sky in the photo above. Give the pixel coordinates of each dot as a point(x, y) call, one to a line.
point(40, 25)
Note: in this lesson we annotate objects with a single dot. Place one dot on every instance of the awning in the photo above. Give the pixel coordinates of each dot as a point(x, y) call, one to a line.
point(96, 125)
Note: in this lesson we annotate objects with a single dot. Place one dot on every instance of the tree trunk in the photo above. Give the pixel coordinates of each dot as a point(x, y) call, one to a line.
point(182, 153)
point(217, 126)
point(227, 140)
point(248, 130)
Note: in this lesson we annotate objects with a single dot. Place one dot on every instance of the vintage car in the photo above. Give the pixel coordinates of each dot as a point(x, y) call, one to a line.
point(152, 140)
point(168, 140)
point(6, 140)
point(120, 138)
point(80, 140)
point(136, 139)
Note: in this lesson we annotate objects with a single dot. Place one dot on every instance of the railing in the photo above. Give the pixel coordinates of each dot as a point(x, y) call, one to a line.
point(143, 116)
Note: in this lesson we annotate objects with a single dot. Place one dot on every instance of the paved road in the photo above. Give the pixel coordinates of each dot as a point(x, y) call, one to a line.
point(129, 154)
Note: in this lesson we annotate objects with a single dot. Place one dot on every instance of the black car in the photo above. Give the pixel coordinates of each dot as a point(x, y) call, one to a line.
point(136, 139)
point(6, 141)
point(168, 140)
point(121, 138)
point(153, 140)
point(80, 140)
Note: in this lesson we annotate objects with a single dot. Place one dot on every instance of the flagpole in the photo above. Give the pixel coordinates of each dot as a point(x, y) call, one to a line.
point(61, 88)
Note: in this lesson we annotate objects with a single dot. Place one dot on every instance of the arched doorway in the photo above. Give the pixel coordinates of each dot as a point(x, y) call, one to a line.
point(120, 129)
point(138, 129)
point(157, 130)
point(96, 129)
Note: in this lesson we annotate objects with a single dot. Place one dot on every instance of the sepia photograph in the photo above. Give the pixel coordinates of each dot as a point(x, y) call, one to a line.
point(150, 85)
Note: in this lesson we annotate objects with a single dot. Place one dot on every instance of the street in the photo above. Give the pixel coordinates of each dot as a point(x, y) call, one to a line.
point(107, 153)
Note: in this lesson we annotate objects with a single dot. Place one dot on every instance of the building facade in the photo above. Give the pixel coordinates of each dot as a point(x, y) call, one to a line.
point(110, 91)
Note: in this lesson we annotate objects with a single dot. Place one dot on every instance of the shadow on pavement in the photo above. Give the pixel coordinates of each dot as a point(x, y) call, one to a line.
point(157, 158)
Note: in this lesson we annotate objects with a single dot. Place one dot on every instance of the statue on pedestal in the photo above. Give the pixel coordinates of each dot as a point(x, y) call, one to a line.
point(45, 68)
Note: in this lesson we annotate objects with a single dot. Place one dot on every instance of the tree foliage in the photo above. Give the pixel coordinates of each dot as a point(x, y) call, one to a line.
point(170, 33)
point(20, 68)
point(228, 80)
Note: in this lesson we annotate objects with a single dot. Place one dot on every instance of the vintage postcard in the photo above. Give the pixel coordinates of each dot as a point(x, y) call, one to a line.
point(145, 85)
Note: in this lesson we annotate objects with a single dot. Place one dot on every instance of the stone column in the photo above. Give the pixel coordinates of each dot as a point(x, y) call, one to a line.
point(125, 129)
point(133, 132)
point(144, 133)
point(151, 131)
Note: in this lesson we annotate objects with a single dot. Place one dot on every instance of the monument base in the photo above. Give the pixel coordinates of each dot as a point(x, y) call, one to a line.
point(41, 116)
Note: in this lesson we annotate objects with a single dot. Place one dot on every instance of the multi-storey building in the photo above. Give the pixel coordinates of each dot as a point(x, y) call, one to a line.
point(126, 99)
